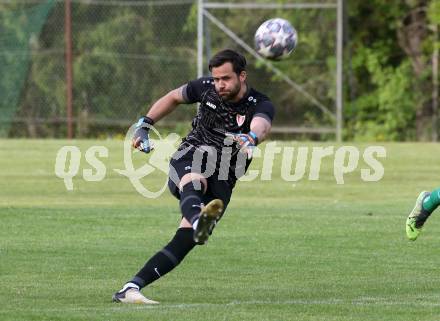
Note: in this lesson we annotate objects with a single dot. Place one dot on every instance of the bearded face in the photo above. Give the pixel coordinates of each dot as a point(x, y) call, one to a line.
point(227, 83)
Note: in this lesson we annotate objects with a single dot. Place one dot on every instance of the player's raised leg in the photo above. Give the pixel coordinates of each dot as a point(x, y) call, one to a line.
point(426, 203)
point(201, 217)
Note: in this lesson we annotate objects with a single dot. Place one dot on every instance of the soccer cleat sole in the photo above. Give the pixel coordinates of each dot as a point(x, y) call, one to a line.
point(208, 217)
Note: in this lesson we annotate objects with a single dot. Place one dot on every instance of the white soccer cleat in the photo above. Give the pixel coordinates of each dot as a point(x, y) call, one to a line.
point(131, 295)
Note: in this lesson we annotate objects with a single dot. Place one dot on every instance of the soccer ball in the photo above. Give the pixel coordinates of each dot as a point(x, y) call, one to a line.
point(275, 39)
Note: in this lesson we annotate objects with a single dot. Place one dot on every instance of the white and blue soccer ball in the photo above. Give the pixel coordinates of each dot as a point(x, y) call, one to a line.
point(275, 39)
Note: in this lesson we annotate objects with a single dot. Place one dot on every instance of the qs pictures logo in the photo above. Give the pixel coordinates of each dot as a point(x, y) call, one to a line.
point(290, 163)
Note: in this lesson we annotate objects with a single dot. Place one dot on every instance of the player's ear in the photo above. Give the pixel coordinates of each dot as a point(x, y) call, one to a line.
point(243, 76)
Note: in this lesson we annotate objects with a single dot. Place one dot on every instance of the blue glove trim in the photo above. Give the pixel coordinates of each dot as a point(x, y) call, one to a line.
point(144, 120)
point(254, 137)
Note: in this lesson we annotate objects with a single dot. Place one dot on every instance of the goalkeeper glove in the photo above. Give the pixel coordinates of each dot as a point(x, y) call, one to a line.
point(141, 139)
point(246, 142)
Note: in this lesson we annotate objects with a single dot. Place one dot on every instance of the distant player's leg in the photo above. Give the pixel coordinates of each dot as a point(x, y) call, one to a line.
point(426, 203)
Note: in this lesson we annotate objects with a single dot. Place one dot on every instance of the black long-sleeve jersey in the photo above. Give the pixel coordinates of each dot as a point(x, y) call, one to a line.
point(215, 117)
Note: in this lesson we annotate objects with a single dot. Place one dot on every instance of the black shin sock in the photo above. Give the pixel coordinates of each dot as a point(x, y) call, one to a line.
point(166, 259)
point(190, 201)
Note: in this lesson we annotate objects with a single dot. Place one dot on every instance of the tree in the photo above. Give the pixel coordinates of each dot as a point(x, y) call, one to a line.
point(391, 52)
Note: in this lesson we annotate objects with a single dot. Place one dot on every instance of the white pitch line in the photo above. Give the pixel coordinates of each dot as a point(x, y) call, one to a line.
point(122, 307)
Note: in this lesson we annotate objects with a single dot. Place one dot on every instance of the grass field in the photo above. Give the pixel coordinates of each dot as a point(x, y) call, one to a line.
point(313, 251)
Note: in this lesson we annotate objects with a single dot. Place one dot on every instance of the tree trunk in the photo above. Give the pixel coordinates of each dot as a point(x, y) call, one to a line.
point(411, 34)
point(434, 95)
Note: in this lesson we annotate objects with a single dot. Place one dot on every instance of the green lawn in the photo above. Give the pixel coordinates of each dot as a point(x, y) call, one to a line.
point(313, 251)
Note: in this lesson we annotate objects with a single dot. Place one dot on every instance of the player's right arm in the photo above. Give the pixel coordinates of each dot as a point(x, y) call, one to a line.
point(166, 104)
point(162, 107)
point(186, 94)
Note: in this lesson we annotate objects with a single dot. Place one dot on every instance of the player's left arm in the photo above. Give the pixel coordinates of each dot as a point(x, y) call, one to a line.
point(260, 126)
point(261, 123)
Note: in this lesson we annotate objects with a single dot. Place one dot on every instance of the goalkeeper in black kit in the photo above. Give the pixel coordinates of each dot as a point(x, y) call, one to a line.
point(231, 120)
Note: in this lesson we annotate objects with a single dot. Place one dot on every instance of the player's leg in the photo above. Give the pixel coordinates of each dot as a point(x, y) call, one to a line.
point(189, 191)
point(432, 201)
point(192, 187)
point(157, 266)
point(216, 199)
point(185, 239)
point(426, 203)
point(209, 215)
point(162, 262)
point(173, 253)
point(201, 217)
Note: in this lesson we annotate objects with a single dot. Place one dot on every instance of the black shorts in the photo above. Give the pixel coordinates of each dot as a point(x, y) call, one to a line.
point(182, 164)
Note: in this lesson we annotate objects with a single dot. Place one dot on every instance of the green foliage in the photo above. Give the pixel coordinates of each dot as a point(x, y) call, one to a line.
point(388, 91)
point(387, 111)
point(434, 12)
point(434, 17)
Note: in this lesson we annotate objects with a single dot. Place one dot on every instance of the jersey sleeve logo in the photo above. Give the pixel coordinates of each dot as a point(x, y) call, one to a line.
point(240, 119)
point(211, 105)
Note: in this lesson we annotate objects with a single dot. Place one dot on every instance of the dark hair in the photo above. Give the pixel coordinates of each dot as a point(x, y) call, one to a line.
point(237, 60)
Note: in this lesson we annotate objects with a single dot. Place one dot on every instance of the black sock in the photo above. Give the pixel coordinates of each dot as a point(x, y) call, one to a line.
point(166, 259)
point(190, 201)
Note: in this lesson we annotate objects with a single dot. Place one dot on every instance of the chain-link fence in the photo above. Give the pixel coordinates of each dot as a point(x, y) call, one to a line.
point(127, 54)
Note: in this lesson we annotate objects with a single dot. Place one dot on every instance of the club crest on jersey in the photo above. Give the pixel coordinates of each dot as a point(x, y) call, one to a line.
point(240, 119)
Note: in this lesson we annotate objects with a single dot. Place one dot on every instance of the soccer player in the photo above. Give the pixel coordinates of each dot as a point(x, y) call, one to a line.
point(426, 203)
point(231, 120)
